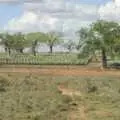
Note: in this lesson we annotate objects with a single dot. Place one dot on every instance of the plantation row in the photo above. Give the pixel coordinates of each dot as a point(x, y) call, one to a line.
point(43, 59)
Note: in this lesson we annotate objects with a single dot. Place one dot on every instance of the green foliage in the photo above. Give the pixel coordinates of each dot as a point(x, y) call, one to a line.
point(39, 36)
point(19, 41)
point(34, 39)
point(89, 43)
point(70, 45)
point(7, 40)
point(14, 41)
point(101, 36)
point(42, 59)
point(52, 39)
point(109, 32)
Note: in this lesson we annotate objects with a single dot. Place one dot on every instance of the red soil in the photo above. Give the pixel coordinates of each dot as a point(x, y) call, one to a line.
point(61, 71)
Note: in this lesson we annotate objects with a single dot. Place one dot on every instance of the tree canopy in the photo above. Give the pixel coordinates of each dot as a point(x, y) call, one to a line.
point(52, 39)
point(102, 35)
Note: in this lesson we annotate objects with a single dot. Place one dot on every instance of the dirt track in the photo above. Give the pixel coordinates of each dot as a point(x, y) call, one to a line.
point(62, 71)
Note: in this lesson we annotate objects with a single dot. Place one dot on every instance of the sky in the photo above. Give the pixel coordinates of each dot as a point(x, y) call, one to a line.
point(66, 16)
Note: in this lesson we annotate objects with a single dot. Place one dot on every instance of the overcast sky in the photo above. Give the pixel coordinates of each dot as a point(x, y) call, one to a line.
point(66, 16)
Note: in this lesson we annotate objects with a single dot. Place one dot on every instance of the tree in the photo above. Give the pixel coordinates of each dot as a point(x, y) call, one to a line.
point(70, 45)
point(101, 36)
point(8, 41)
point(20, 43)
point(34, 39)
point(15, 41)
point(34, 44)
point(52, 39)
point(110, 31)
point(88, 44)
point(3, 41)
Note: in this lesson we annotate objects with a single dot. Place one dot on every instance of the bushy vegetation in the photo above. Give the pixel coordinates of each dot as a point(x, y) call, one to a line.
point(102, 36)
point(34, 97)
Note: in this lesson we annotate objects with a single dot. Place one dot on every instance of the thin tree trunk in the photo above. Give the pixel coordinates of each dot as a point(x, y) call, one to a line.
point(21, 50)
point(104, 58)
point(6, 49)
point(89, 60)
point(34, 51)
point(51, 49)
point(95, 57)
point(34, 47)
point(9, 51)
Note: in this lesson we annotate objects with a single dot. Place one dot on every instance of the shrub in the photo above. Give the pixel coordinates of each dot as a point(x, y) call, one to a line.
point(92, 89)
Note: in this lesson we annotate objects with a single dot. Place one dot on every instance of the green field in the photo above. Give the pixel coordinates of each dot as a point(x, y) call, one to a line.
point(50, 59)
point(42, 59)
point(34, 97)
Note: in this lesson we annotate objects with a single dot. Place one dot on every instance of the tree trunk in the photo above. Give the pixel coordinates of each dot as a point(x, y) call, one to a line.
point(89, 60)
point(51, 49)
point(104, 58)
point(21, 50)
point(6, 49)
point(34, 45)
point(34, 51)
point(9, 51)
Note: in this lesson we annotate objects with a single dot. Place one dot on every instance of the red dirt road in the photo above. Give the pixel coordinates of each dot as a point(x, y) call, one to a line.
point(60, 71)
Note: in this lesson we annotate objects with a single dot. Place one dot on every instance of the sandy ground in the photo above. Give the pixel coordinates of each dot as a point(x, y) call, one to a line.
point(60, 70)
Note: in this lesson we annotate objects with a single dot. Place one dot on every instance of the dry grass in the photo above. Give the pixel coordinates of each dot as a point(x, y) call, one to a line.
point(26, 96)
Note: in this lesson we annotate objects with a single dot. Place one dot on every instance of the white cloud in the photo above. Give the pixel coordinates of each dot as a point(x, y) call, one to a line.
point(9, 1)
point(29, 22)
point(32, 1)
point(47, 15)
point(110, 11)
point(117, 2)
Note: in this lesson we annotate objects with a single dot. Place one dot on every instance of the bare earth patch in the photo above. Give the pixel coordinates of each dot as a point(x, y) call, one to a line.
point(67, 91)
point(61, 71)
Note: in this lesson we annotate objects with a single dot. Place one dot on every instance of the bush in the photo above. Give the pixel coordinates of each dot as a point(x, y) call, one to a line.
point(91, 86)
point(92, 89)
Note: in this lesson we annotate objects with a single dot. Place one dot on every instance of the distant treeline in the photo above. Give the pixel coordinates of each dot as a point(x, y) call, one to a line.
point(101, 37)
